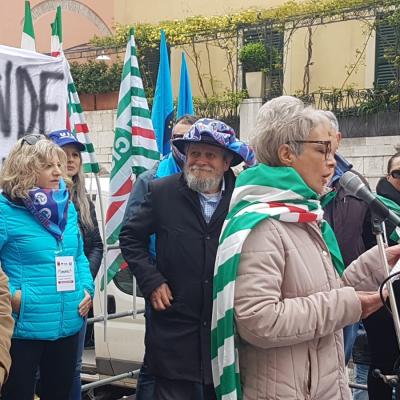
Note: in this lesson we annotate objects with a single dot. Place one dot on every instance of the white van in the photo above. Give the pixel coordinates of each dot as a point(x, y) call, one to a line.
point(123, 349)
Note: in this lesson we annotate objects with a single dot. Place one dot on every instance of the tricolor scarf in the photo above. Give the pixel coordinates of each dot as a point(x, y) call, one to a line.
point(50, 208)
point(260, 192)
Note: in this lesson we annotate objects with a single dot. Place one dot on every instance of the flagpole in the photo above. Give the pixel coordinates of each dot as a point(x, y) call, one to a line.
point(80, 127)
point(105, 250)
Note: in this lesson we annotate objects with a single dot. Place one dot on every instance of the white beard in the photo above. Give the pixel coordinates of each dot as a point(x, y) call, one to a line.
point(200, 184)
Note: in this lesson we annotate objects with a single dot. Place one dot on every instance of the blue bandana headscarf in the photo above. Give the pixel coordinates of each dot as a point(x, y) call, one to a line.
point(213, 131)
point(50, 208)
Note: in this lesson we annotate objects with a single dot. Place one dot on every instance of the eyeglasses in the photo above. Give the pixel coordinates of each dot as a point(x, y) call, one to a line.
point(176, 136)
point(32, 139)
point(326, 143)
point(395, 174)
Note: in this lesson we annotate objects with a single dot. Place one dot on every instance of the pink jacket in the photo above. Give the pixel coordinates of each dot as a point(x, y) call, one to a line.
point(290, 308)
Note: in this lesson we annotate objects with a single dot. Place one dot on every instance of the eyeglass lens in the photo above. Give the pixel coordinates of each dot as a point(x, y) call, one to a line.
point(326, 143)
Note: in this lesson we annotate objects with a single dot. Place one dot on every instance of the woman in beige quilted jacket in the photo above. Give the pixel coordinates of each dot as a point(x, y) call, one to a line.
point(6, 327)
point(292, 298)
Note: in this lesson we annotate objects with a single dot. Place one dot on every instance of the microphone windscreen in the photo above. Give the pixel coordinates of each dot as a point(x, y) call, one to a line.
point(351, 182)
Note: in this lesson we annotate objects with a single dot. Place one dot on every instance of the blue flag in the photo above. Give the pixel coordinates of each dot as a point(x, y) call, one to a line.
point(185, 99)
point(162, 113)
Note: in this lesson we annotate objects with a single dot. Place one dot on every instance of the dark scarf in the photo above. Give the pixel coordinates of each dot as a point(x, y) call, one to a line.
point(386, 189)
point(50, 208)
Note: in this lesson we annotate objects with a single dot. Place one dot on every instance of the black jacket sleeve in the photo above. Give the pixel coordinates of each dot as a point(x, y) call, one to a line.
point(134, 244)
point(139, 190)
point(93, 244)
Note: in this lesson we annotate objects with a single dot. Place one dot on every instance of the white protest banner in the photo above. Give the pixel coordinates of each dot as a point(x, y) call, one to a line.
point(33, 95)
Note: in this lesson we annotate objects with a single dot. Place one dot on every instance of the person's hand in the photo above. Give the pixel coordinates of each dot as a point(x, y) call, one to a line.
point(161, 297)
point(16, 301)
point(370, 302)
point(85, 304)
point(392, 254)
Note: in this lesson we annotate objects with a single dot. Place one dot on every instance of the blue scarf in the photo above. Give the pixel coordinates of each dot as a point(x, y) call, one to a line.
point(342, 166)
point(50, 208)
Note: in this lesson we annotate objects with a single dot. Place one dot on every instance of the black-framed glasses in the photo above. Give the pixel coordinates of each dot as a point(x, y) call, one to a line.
point(326, 143)
point(32, 138)
point(395, 174)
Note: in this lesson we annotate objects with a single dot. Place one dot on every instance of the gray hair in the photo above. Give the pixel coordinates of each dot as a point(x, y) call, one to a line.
point(283, 120)
point(332, 119)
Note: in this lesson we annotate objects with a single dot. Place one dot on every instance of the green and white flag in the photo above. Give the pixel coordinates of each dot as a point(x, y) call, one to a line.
point(135, 149)
point(260, 192)
point(28, 33)
point(75, 119)
point(56, 34)
point(76, 123)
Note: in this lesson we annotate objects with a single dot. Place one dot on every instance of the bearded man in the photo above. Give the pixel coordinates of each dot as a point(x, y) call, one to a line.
point(186, 212)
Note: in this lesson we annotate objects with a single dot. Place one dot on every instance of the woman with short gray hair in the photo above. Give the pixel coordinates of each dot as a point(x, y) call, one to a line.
point(279, 280)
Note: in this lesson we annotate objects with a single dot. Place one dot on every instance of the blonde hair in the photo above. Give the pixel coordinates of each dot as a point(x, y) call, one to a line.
point(20, 170)
point(80, 197)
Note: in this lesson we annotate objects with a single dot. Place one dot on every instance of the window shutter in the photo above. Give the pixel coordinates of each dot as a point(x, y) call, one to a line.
point(387, 46)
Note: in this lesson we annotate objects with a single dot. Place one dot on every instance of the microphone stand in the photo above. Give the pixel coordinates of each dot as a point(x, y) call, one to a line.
point(378, 229)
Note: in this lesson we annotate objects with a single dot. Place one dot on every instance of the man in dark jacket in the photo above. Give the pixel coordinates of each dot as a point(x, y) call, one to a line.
point(350, 219)
point(170, 164)
point(186, 212)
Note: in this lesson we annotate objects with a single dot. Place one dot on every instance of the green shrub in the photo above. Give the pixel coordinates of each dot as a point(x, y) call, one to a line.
point(96, 76)
point(254, 57)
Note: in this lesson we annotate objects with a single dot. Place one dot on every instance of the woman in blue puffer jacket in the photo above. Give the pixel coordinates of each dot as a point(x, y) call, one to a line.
point(41, 252)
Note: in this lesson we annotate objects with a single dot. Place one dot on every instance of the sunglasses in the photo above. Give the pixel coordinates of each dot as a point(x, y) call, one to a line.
point(326, 143)
point(395, 174)
point(177, 136)
point(32, 139)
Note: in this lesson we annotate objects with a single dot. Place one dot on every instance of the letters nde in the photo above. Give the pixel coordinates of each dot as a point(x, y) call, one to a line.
point(24, 93)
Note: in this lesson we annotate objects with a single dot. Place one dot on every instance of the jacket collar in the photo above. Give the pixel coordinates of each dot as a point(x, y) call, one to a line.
point(192, 196)
point(5, 198)
point(342, 166)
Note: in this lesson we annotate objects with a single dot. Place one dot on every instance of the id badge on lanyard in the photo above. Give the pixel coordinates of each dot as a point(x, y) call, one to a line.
point(65, 273)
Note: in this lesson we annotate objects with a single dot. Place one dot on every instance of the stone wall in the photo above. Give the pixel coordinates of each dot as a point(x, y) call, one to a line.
point(101, 127)
point(368, 155)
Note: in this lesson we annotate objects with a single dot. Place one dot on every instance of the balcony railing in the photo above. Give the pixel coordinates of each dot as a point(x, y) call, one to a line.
point(366, 112)
point(355, 102)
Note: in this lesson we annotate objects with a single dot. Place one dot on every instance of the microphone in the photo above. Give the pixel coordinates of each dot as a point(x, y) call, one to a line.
point(353, 185)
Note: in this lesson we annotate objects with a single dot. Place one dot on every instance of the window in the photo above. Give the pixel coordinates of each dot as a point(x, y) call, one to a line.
point(124, 282)
point(387, 48)
point(273, 39)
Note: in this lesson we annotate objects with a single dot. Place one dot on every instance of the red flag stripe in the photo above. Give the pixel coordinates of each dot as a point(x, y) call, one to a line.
point(147, 133)
point(68, 121)
point(125, 188)
point(81, 128)
point(303, 215)
point(113, 208)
